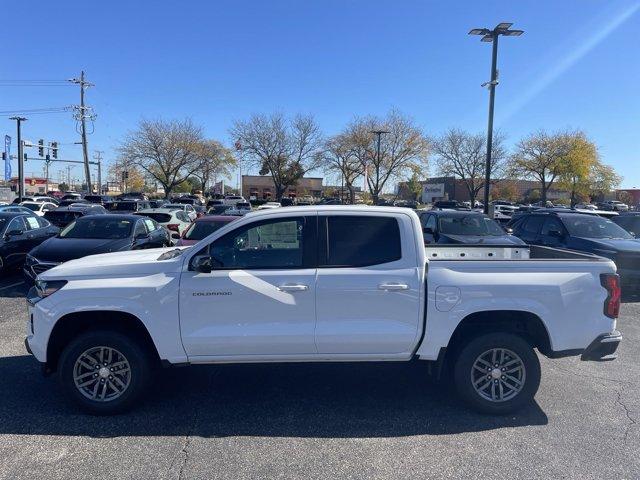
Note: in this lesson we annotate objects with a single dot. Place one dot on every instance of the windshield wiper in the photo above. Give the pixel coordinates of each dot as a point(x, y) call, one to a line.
point(170, 254)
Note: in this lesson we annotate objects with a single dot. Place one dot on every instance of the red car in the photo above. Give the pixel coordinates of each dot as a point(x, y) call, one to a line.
point(203, 227)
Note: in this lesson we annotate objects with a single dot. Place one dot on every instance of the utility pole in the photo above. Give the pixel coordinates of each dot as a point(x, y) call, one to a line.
point(492, 36)
point(82, 115)
point(97, 156)
point(19, 121)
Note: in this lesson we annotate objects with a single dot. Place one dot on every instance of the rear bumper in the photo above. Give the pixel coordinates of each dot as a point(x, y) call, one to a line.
point(603, 348)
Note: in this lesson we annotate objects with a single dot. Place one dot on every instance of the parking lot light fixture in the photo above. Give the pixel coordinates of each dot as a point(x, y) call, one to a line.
point(491, 36)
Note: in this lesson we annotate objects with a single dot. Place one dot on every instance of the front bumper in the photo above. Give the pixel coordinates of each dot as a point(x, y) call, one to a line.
point(603, 348)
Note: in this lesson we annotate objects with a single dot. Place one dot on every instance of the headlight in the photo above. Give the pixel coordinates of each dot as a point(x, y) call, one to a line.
point(49, 287)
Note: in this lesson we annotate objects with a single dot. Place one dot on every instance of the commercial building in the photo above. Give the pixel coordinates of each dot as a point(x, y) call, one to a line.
point(261, 187)
point(34, 185)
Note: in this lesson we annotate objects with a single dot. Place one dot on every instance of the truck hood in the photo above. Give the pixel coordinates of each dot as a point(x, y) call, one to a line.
point(126, 264)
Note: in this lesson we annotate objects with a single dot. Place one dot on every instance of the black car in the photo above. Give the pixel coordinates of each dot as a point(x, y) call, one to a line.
point(99, 199)
point(95, 234)
point(63, 216)
point(71, 201)
point(19, 233)
point(460, 226)
point(585, 233)
point(129, 206)
point(158, 203)
point(448, 204)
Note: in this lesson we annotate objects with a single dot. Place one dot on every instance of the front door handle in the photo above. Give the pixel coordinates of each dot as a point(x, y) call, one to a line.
point(393, 286)
point(292, 288)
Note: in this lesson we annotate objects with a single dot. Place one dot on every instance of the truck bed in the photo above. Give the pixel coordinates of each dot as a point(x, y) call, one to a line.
point(505, 252)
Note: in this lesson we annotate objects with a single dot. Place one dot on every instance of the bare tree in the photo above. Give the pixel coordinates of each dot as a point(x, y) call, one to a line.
point(341, 156)
point(284, 149)
point(215, 161)
point(462, 155)
point(402, 150)
point(168, 151)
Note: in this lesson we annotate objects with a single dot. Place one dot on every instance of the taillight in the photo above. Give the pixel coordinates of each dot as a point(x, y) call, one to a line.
point(174, 227)
point(611, 282)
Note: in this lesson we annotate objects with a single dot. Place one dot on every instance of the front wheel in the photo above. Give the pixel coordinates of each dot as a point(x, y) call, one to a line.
point(497, 373)
point(105, 372)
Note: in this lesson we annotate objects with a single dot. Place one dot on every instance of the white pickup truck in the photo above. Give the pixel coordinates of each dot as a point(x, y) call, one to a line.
point(322, 284)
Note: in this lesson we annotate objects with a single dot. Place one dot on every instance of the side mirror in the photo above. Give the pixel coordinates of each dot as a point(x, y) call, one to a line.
point(555, 233)
point(427, 230)
point(142, 236)
point(202, 264)
point(175, 236)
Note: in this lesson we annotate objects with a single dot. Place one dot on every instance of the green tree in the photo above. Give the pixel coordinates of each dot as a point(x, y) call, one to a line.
point(414, 186)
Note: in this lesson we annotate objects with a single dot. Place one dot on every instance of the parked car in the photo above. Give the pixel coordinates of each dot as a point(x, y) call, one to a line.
point(218, 209)
point(448, 204)
point(92, 235)
point(239, 210)
point(233, 199)
point(215, 202)
point(19, 233)
point(15, 209)
point(201, 211)
point(286, 202)
point(158, 203)
point(173, 220)
point(185, 207)
point(103, 200)
point(630, 221)
point(133, 196)
point(63, 216)
point(17, 200)
point(253, 291)
point(269, 206)
point(72, 201)
point(460, 226)
point(128, 206)
point(203, 227)
point(585, 206)
point(39, 208)
point(71, 196)
point(42, 198)
point(613, 206)
point(584, 233)
point(188, 199)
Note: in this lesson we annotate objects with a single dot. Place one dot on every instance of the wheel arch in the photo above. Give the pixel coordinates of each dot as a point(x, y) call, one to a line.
point(522, 323)
point(73, 324)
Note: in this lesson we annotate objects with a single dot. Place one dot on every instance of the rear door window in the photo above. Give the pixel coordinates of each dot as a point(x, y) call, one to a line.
point(532, 225)
point(360, 241)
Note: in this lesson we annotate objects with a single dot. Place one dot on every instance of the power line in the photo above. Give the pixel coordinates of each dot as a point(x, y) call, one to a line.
point(81, 114)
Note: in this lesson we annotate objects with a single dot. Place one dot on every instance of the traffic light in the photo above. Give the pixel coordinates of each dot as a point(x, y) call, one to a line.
point(54, 149)
point(125, 175)
point(41, 147)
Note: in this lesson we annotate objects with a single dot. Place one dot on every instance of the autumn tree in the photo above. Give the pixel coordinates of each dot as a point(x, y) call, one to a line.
point(463, 155)
point(544, 157)
point(167, 151)
point(403, 149)
point(602, 179)
point(414, 186)
point(215, 161)
point(284, 148)
point(340, 156)
point(135, 178)
point(578, 165)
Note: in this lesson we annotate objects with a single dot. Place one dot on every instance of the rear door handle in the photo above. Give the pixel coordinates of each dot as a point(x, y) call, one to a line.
point(393, 286)
point(292, 288)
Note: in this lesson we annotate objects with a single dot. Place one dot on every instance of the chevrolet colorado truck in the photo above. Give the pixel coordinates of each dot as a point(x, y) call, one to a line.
point(322, 284)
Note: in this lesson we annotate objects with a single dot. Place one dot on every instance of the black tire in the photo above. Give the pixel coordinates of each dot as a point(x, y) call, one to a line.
point(464, 366)
point(141, 369)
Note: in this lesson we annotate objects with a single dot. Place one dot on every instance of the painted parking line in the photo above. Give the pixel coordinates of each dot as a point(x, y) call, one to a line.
point(11, 286)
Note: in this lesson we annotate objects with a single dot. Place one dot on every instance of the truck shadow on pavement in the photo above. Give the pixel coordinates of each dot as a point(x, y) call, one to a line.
point(284, 400)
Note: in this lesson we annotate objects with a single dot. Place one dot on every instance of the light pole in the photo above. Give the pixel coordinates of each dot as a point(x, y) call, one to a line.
point(379, 134)
point(492, 36)
point(19, 121)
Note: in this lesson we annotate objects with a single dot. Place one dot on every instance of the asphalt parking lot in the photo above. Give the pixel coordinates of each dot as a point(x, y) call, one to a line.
point(320, 421)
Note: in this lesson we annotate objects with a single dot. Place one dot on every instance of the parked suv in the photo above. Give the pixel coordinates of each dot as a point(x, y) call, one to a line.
point(463, 226)
point(585, 233)
point(614, 206)
point(63, 216)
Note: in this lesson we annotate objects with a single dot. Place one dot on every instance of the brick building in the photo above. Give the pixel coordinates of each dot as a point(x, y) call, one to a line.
point(261, 187)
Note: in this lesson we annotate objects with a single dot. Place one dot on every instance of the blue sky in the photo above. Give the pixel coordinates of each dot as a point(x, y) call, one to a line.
point(577, 65)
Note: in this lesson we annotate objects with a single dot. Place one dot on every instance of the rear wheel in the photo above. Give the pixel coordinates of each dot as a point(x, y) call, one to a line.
point(105, 372)
point(497, 373)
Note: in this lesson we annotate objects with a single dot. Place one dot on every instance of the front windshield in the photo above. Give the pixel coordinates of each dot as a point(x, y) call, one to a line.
point(589, 226)
point(32, 206)
point(200, 230)
point(95, 227)
point(469, 225)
